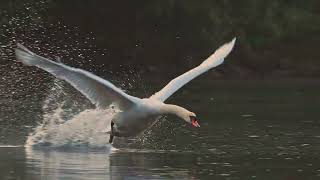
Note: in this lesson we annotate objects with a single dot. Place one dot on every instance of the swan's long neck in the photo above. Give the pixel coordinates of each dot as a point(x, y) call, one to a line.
point(173, 109)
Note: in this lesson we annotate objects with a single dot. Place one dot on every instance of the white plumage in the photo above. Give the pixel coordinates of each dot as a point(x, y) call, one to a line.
point(214, 60)
point(136, 114)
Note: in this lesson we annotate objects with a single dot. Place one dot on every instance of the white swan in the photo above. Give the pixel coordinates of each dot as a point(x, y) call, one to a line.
point(135, 115)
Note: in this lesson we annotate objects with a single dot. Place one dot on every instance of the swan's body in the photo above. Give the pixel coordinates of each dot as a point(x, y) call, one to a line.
point(135, 115)
point(137, 119)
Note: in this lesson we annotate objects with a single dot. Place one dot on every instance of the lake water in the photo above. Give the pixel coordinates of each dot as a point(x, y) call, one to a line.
point(249, 130)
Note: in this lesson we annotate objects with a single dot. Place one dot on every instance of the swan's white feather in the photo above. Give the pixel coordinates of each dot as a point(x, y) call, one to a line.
point(99, 91)
point(214, 60)
point(135, 114)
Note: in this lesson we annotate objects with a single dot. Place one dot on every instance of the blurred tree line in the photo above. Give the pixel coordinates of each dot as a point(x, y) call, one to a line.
point(275, 38)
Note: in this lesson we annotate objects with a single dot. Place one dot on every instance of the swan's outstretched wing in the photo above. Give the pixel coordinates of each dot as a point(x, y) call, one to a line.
point(99, 91)
point(214, 60)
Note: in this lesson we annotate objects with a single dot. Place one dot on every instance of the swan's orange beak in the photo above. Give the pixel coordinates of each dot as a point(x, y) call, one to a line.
point(194, 122)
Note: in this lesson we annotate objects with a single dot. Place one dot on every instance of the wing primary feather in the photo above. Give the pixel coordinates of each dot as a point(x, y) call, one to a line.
point(99, 91)
point(212, 61)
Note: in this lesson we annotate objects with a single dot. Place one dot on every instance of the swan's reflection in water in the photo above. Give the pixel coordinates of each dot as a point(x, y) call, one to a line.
point(98, 164)
point(74, 164)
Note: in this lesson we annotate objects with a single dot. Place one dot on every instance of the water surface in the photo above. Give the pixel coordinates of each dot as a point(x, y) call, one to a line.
point(249, 130)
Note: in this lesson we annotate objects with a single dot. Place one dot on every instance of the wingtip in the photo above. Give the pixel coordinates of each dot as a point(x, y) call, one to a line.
point(227, 47)
point(231, 44)
point(21, 47)
point(233, 41)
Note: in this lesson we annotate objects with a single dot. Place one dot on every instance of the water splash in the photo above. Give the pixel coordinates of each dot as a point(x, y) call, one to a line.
point(87, 129)
point(67, 118)
point(67, 123)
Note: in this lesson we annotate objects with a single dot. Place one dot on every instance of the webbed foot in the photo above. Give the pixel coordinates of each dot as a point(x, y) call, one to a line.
point(111, 139)
point(111, 133)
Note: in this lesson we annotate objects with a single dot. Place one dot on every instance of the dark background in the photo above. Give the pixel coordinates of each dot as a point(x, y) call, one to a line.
point(140, 45)
point(276, 39)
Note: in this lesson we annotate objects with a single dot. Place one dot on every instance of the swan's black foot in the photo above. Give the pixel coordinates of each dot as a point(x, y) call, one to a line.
point(111, 139)
point(111, 134)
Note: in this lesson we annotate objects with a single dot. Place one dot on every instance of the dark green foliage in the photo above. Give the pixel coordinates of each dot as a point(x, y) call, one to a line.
point(275, 38)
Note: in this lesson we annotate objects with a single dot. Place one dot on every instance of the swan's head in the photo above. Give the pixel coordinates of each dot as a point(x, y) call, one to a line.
point(189, 117)
point(182, 113)
point(194, 121)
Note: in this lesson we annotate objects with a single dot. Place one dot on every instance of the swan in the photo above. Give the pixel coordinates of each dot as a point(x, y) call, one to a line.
point(134, 114)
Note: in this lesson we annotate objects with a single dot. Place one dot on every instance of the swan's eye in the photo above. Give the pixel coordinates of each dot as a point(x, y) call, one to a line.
point(194, 121)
